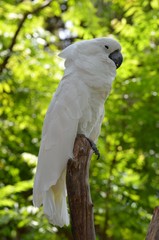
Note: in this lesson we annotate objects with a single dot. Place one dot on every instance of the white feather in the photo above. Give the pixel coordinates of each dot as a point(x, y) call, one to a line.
point(77, 107)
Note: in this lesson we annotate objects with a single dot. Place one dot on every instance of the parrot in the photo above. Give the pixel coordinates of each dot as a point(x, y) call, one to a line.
point(77, 107)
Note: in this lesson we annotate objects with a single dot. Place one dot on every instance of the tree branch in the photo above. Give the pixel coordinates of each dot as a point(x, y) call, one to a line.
point(20, 25)
point(77, 180)
point(153, 231)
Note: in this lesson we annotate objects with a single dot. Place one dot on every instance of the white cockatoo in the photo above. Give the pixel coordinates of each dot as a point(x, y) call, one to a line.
point(76, 108)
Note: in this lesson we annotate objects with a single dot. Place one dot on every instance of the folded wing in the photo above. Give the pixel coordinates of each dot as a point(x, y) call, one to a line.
point(58, 136)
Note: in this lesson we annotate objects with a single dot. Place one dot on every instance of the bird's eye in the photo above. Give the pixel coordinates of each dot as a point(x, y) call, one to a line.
point(106, 46)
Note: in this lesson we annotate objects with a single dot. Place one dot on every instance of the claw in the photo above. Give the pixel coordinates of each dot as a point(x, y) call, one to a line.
point(94, 148)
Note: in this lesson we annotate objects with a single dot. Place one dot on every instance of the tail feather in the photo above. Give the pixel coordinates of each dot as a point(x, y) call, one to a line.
point(54, 203)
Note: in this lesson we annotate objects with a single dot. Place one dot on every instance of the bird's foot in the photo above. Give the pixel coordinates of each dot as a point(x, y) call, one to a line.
point(94, 148)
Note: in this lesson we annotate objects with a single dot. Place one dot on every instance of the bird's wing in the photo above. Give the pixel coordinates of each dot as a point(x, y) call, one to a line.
point(58, 136)
point(97, 126)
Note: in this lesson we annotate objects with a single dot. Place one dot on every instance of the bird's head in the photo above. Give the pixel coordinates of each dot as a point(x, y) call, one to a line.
point(105, 48)
point(112, 49)
point(101, 48)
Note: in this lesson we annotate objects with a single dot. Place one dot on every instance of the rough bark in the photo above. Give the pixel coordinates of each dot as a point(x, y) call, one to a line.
point(153, 231)
point(77, 180)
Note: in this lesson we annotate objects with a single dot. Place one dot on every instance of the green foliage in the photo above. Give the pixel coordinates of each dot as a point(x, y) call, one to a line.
point(124, 182)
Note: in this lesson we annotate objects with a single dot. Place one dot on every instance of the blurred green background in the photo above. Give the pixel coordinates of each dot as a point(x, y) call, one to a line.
point(125, 181)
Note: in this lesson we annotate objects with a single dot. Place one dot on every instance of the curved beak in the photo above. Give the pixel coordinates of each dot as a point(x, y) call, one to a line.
point(117, 58)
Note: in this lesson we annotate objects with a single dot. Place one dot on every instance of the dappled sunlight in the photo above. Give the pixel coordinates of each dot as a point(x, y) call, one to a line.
point(124, 181)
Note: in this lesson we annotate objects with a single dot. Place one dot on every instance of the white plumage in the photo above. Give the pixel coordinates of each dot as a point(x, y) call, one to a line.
point(77, 107)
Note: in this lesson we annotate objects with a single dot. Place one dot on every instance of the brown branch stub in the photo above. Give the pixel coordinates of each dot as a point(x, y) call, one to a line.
point(153, 231)
point(79, 198)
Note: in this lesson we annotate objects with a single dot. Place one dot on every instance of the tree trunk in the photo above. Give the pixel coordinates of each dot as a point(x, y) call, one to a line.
point(77, 181)
point(153, 231)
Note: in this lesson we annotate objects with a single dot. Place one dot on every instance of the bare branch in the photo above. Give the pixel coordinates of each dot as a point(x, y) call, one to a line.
point(153, 231)
point(20, 25)
point(79, 198)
